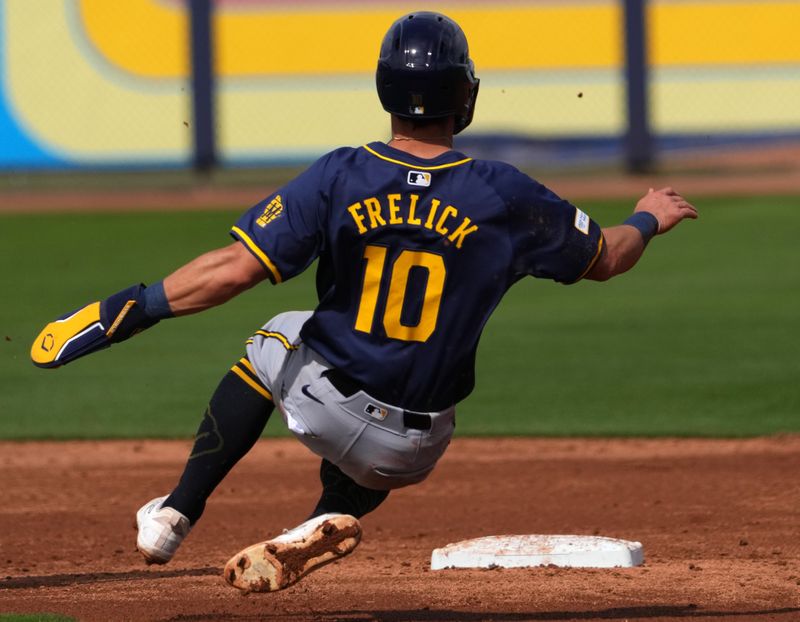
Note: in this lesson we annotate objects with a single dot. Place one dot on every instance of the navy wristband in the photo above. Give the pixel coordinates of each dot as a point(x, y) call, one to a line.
point(156, 306)
point(645, 222)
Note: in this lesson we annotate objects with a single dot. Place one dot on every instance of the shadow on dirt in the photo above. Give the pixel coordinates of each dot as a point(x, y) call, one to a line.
point(675, 612)
point(60, 580)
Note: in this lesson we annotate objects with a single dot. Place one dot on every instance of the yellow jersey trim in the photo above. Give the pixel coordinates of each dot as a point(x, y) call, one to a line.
point(416, 167)
point(258, 253)
point(593, 261)
point(282, 338)
point(253, 384)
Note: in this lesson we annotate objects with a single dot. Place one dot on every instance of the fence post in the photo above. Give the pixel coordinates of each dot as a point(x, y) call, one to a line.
point(202, 68)
point(639, 154)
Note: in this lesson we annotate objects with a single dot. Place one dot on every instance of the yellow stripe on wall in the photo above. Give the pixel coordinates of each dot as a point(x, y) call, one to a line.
point(725, 33)
point(275, 41)
point(144, 37)
point(503, 36)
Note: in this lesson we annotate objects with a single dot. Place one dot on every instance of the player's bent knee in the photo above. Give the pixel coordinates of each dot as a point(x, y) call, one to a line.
point(244, 370)
point(385, 479)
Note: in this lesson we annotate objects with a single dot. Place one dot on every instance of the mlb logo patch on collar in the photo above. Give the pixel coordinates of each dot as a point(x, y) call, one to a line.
point(419, 178)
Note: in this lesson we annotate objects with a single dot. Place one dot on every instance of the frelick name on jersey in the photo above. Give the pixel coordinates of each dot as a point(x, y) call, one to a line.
point(405, 209)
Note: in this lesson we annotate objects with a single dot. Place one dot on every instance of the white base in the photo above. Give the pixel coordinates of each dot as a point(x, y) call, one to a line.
point(535, 550)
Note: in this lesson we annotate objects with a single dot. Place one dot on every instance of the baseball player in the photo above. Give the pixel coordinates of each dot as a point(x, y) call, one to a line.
point(417, 244)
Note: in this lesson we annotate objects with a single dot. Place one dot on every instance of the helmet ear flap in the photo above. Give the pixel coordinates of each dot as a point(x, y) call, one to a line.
point(463, 121)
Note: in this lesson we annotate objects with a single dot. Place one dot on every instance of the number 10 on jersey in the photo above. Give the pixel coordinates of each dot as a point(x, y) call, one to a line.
point(375, 259)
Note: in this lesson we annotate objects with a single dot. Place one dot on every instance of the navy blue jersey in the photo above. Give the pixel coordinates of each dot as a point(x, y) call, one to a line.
point(414, 255)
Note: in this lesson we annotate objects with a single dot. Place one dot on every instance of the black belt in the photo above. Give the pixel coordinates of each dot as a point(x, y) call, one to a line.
point(345, 385)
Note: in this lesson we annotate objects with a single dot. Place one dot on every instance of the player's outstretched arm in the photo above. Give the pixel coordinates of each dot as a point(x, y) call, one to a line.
point(208, 281)
point(212, 279)
point(656, 213)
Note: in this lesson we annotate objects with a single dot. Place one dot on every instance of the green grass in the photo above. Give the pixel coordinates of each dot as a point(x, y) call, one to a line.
point(699, 339)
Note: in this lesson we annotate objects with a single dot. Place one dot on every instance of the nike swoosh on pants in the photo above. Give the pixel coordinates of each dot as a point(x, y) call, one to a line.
point(305, 391)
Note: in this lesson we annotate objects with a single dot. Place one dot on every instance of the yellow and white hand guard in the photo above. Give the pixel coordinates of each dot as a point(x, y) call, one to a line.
point(92, 327)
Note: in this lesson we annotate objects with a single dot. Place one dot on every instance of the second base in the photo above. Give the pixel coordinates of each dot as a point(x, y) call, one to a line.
point(538, 550)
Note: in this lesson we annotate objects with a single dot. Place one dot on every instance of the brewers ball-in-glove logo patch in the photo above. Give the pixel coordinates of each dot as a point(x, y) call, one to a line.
point(272, 211)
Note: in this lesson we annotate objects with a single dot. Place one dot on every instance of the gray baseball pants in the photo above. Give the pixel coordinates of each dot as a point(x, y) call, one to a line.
point(366, 438)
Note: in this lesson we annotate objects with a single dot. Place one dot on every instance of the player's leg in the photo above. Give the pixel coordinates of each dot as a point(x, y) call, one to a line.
point(235, 418)
point(233, 422)
point(332, 531)
point(278, 357)
point(367, 447)
point(342, 495)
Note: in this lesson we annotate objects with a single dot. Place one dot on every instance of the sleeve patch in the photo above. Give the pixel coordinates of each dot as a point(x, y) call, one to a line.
point(582, 221)
point(272, 211)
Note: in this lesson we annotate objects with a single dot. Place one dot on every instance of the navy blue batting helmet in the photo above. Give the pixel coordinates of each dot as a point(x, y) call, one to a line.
point(425, 72)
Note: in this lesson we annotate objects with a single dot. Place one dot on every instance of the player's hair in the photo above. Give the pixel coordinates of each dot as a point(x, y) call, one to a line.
point(425, 72)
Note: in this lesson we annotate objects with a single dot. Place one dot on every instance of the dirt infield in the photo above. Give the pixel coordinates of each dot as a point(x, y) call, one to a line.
point(719, 521)
point(729, 171)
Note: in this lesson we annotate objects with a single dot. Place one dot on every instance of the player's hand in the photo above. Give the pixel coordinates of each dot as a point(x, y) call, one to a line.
point(667, 206)
point(91, 328)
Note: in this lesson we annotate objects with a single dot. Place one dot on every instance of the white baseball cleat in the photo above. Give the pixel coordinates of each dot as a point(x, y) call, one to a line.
point(161, 531)
point(283, 561)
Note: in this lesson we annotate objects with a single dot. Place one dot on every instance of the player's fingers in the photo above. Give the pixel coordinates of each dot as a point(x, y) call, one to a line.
point(668, 191)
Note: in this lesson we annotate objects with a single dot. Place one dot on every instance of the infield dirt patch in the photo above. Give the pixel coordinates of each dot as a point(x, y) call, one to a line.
point(719, 520)
point(728, 171)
